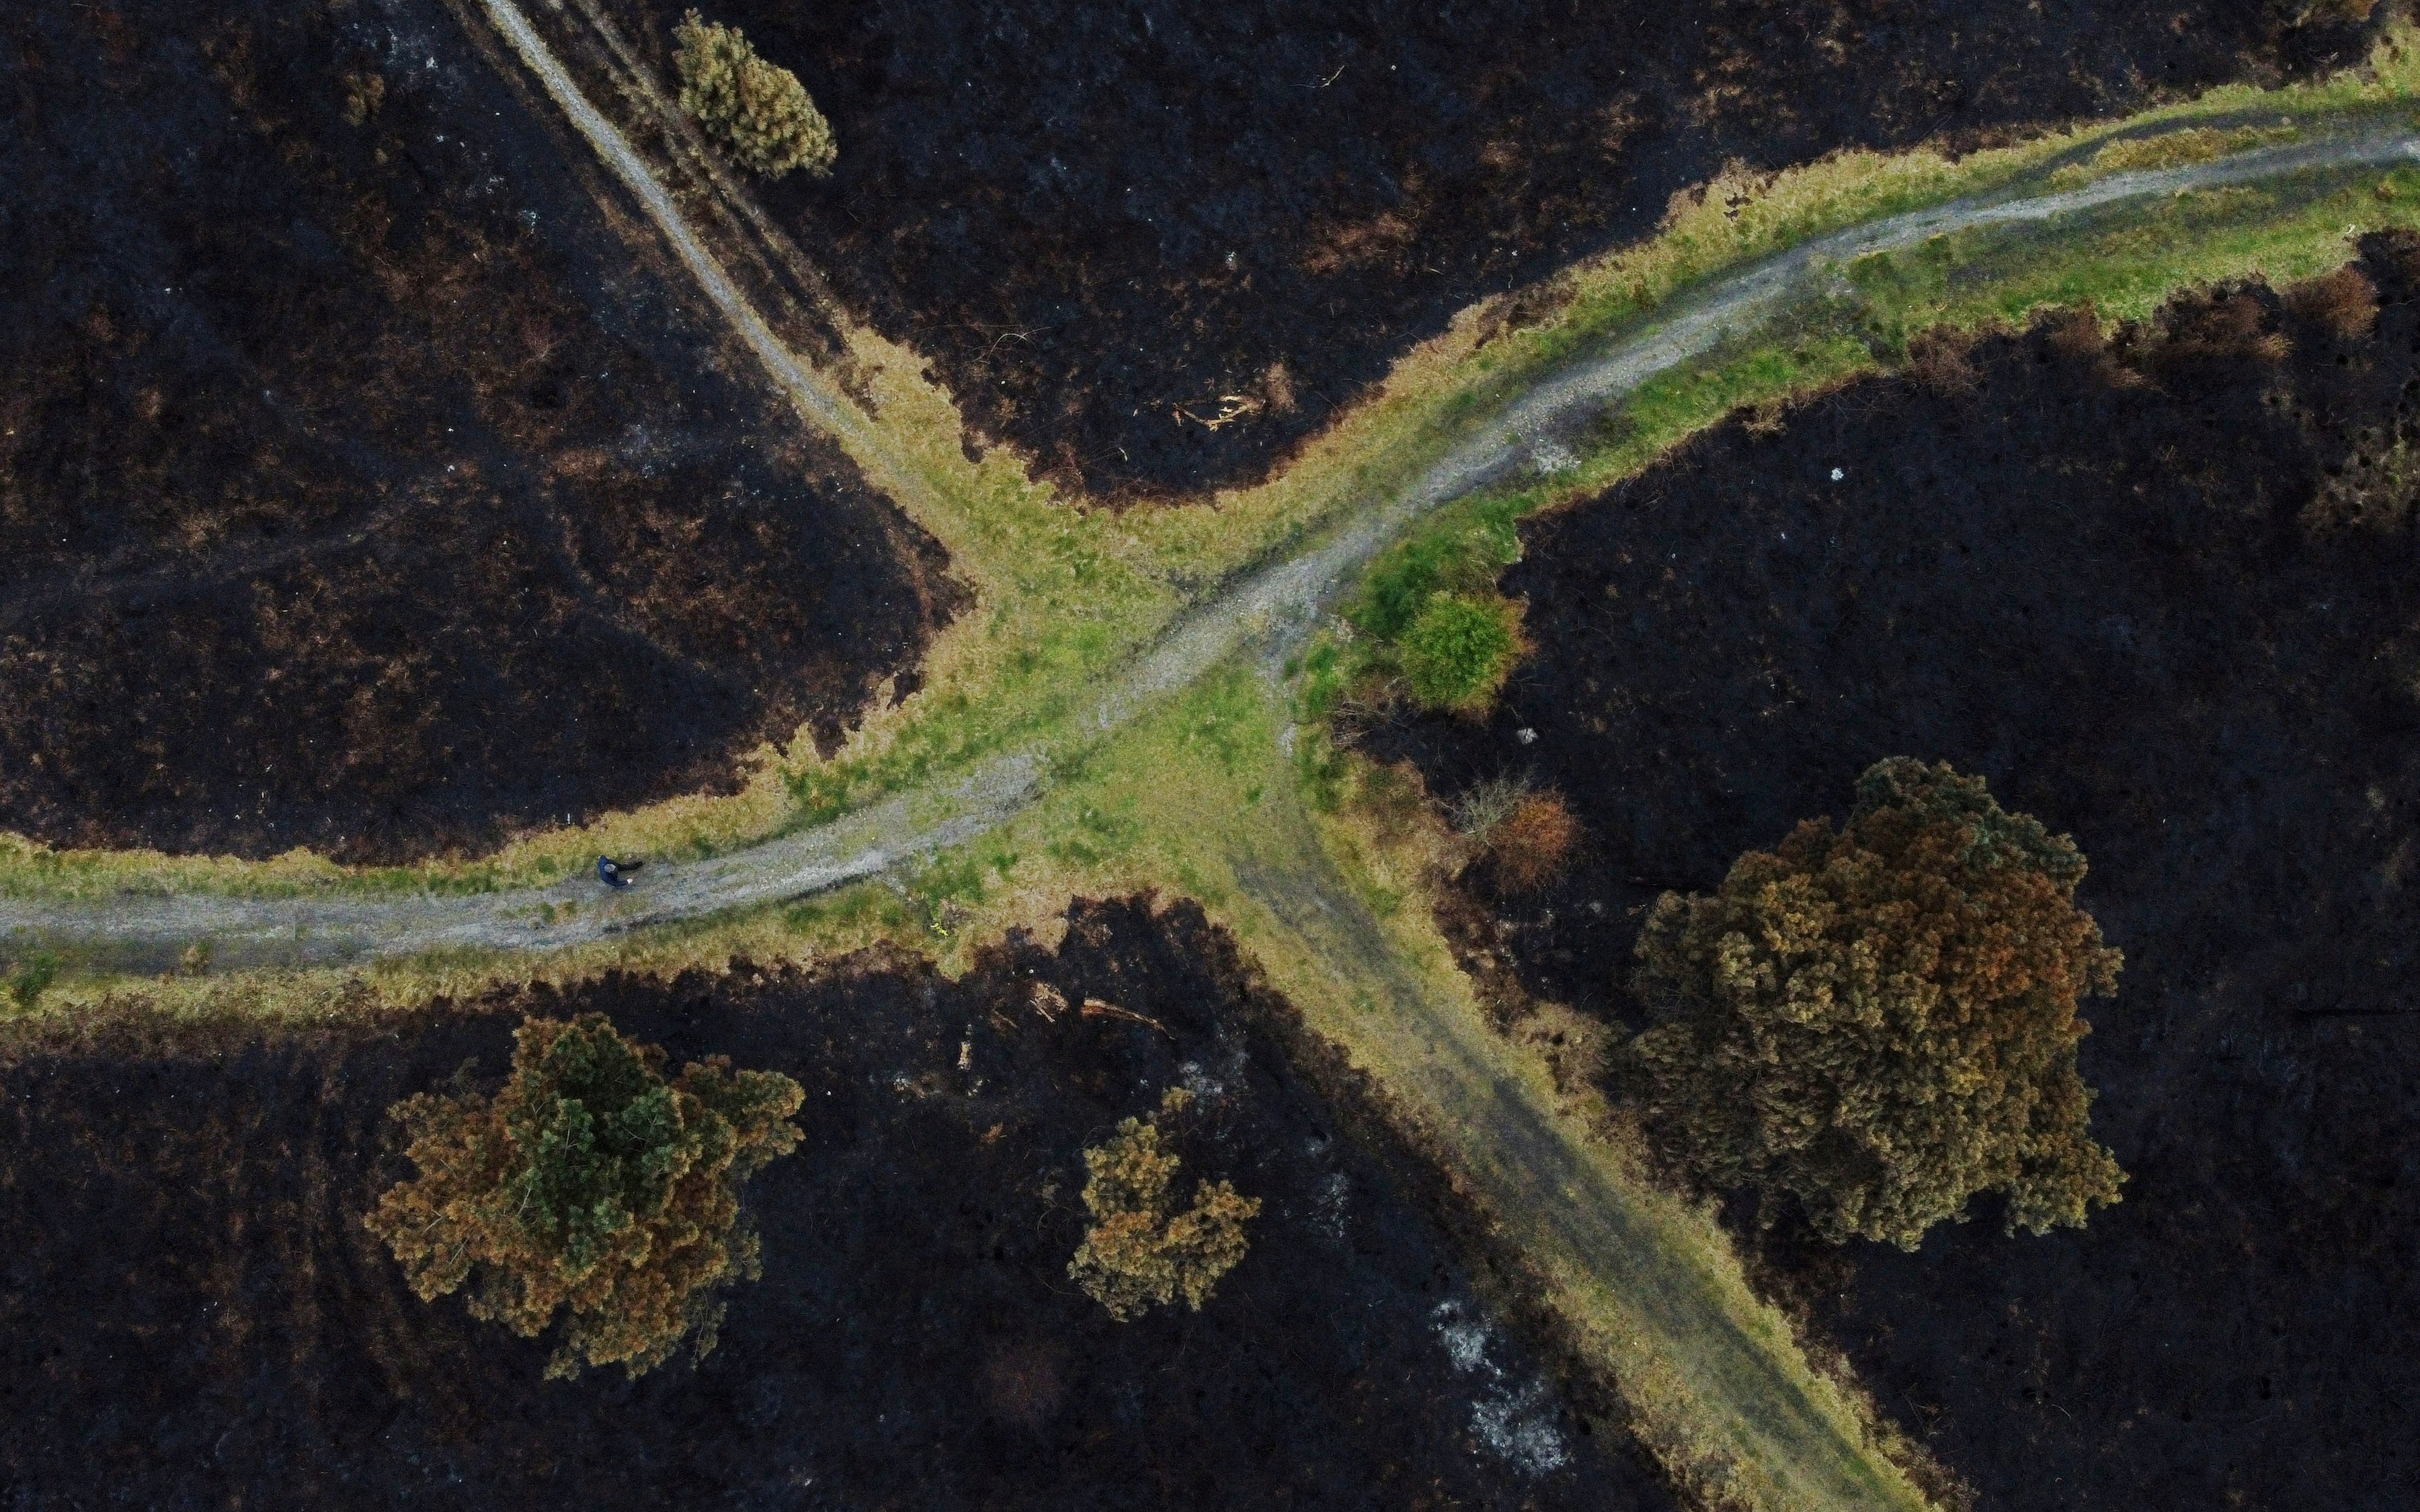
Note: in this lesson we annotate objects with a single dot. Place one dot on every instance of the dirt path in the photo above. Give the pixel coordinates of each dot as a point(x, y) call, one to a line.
point(1606, 1239)
point(1275, 605)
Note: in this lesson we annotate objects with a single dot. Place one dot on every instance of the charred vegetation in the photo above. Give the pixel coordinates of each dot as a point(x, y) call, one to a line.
point(196, 1313)
point(1154, 246)
point(2154, 581)
point(360, 487)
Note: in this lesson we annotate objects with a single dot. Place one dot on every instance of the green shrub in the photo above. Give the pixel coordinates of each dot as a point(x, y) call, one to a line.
point(756, 109)
point(1462, 557)
point(1459, 649)
point(32, 978)
point(1403, 582)
point(1881, 1022)
point(589, 1186)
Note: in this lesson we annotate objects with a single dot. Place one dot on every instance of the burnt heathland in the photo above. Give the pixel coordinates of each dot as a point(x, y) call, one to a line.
point(360, 488)
point(1153, 245)
point(196, 1313)
point(2156, 584)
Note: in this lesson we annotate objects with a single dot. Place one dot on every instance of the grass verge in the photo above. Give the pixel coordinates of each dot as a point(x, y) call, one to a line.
point(1064, 593)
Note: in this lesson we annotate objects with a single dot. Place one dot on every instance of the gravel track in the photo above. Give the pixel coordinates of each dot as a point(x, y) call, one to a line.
point(1273, 606)
point(1563, 1204)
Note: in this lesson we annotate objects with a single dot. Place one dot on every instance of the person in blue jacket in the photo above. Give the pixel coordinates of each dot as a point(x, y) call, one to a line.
point(616, 873)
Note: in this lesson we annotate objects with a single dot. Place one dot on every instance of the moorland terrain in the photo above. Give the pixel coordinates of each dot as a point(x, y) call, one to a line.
point(2153, 582)
point(196, 1316)
point(1153, 247)
point(362, 489)
point(376, 482)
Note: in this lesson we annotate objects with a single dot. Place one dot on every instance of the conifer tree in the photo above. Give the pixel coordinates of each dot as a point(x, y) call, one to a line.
point(589, 1187)
point(757, 110)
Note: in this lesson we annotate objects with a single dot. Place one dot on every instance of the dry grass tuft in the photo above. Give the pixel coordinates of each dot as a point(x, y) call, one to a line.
point(1576, 1047)
point(1487, 804)
point(2344, 303)
point(1937, 361)
point(2075, 333)
point(1530, 850)
point(2198, 333)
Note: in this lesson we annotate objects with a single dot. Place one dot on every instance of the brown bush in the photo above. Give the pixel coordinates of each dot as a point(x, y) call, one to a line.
point(2075, 333)
point(1142, 1251)
point(2344, 303)
point(2198, 333)
point(1881, 1022)
point(1528, 848)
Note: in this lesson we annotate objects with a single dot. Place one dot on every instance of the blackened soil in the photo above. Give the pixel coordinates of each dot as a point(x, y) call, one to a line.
point(2162, 592)
point(360, 488)
point(1103, 221)
point(194, 1315)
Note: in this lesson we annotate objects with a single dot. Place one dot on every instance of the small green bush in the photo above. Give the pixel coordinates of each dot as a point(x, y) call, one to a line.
point(756, 109)
point(32, 978)
point(1464, 558)
point(1459, 649)
point(1403, 583)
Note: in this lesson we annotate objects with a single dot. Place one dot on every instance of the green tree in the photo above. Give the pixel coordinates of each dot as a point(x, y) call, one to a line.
point(592, 1187)
point(1141, 1250)
point(1881, 1022)
point(757, 110)
point(1458, 650)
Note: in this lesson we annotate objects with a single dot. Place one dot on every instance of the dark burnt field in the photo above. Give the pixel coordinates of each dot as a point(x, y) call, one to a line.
point(1102, 221)
point(2158, 585)
point(360, 487)
point(195, 1316)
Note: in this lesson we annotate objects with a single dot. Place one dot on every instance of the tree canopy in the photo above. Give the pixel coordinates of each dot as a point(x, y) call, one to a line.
point(757, 110)
point(1142, 1249)
point(592, 1187)
point(1880, 1021)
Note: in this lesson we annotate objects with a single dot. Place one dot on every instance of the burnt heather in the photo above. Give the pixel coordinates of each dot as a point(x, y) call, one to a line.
point(1110, 226)
point(194, 1315)
point(2156, 584)
point(359, 487)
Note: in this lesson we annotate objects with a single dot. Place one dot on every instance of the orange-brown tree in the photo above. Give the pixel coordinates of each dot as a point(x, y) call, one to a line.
point(591, 1187)
point(1880, 1021)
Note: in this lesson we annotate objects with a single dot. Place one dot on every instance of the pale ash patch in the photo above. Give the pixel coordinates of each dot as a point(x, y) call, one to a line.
point(1225, 1073)
point(1464, 1338)
point(1520, 1428)
point(1553, 456)
point(1199, 1082)
point(1332, 1204)
point(1515, 1422)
